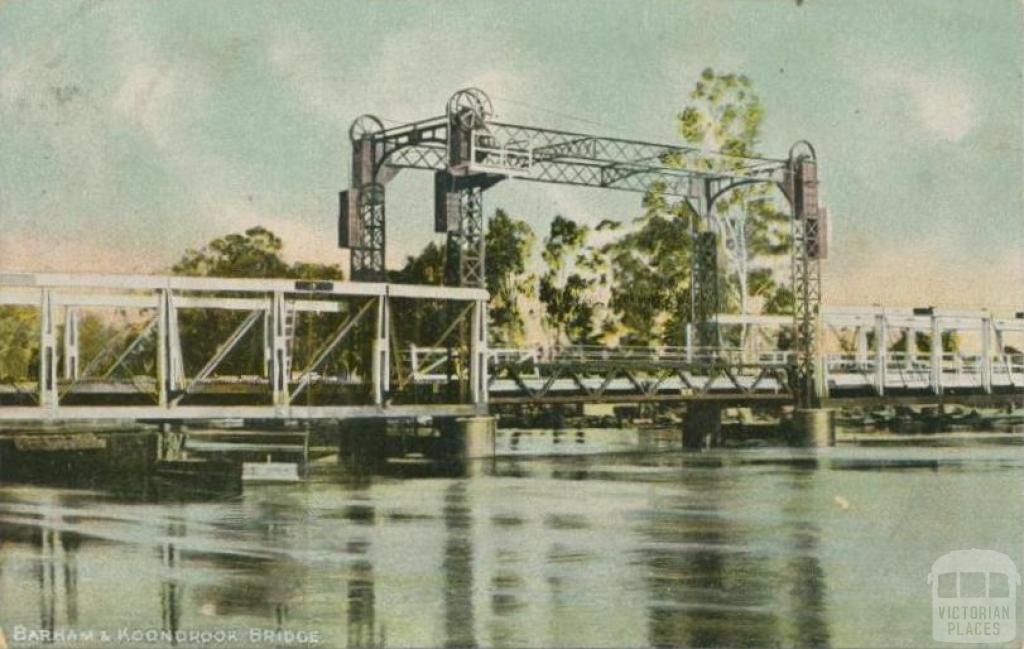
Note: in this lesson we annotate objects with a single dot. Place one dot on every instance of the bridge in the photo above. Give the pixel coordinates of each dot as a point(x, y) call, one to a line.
point(357, 361)
point(315, 349)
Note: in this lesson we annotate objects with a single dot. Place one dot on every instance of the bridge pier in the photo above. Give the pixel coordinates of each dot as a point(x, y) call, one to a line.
point(470, 438)
point(814, 427)
point(702, 425)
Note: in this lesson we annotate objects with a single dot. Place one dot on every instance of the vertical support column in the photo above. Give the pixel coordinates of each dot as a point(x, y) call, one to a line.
point(163, 365)
point(861, 345)
point(169, 363)
point(175, 360)
point(279, 350)
point(688, 332)
point(986, 354)
point(381, 366)
point(361, 223)
point(936, 356)
point(268, 342)
point(881, 353)
point(368, 253)
point(807, 252)
point(909, 346)
point(478, 354)
point(466, 244)
point(702, 425)
point(71, 367)
point(47, 352)
point(820, 375)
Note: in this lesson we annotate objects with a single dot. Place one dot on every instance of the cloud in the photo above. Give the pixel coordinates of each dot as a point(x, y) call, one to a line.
point(943, 103)
point(866, 271)
point(147, 97)
point(310, 75)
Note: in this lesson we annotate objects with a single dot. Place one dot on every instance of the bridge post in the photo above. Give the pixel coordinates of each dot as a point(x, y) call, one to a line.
point(175, 362)
point(279, 350)
point(71, 368)
point(909, 347)
point(702, 425)
point(861, 345)
point(47, 352)
point(478, 353)
point(170, 368)
point(807, 250)
point(936, 356)
point(986, 354)
point(381, 367)
point(162, 361)
point(815, 427)
point(881, 352)
point(688, 332)
point(821, 375)
point(361, 224)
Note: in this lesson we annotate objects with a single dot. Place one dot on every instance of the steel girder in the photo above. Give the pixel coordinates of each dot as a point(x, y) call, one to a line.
point(568, 158)
point(466, 142)
point(696, 380)
point(802, 189)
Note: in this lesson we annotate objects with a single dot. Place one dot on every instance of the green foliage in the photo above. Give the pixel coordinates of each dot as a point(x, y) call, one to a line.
point(255, 253)
point(509, 245)
point(425, 321)
point(565, 292)
point(19, 342)
point(650, 274)
point(725, 114)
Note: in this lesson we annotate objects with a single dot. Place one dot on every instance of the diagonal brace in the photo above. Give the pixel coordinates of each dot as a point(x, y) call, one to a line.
point(325, 351)
point(221, 353)
point(132, 348)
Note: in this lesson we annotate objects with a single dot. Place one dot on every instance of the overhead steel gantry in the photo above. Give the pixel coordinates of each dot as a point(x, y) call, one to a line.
point(469, 151)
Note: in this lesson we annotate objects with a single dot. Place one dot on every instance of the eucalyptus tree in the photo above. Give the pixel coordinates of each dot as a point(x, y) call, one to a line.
point(565, 286)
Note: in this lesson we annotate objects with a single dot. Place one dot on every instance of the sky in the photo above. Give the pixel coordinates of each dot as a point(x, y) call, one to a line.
point(132, 131)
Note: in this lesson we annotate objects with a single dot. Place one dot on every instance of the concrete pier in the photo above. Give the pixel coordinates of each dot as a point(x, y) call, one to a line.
point(702, 425)
point(474, 437)
point(814, 427)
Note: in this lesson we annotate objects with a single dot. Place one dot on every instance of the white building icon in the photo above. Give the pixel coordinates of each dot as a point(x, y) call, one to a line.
point(974, 597)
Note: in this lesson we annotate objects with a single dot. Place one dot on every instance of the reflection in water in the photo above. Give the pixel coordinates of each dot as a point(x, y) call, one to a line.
point(361, 606)
point(726, 548)
point(170, 589)
point(56, 572)
point(458, 568)
point(804, 577)
point(708, 589)
point(46, 573)
point(69, 544)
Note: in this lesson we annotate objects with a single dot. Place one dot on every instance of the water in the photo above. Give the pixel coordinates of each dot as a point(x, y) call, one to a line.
point(758, 547)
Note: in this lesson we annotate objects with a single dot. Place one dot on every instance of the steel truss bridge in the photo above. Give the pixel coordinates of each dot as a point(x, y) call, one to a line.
point(362, 363)
point(210, 348)
point(468, 151)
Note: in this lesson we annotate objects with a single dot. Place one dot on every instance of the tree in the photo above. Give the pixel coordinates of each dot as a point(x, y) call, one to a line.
point(426, 322)
point(564, 291)
point(725, 114)
point(255, 253)
point(19, 343)
point(650, 264)
point(509, 244)
point(649, 270)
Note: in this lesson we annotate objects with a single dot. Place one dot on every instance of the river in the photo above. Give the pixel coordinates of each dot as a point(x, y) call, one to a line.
point(756, 547)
